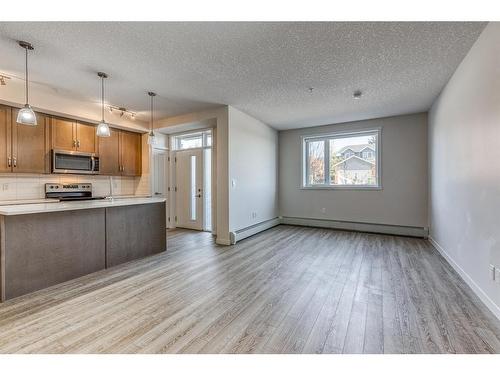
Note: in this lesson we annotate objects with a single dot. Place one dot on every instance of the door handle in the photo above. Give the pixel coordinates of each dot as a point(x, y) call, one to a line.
point(9, 162)
point(14, 159)
point(157, 193)
point(198, 196)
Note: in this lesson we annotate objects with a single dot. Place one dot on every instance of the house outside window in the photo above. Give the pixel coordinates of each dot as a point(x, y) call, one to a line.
point(343, 160)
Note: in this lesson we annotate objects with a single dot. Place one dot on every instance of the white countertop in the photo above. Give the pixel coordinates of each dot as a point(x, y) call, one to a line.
point(34, 208)
point(28, 201)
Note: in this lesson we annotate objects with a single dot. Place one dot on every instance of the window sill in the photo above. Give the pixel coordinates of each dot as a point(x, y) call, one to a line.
point(343, 187)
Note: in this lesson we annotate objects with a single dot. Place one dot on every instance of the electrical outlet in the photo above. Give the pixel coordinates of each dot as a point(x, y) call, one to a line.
point(254, 215)
point(492, 272)
point(5, 187)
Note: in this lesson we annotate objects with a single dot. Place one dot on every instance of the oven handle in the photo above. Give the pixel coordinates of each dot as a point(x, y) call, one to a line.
point(92, 165)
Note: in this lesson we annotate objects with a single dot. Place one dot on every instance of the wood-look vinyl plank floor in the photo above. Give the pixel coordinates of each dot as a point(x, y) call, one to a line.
point(286, 290)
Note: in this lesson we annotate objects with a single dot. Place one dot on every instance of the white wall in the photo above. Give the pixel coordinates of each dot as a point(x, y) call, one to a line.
point(253, 166)
point(464, 161)
point(402, 200)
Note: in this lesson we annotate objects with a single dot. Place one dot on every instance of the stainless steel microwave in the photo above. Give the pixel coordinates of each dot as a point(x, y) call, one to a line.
point(74, 162)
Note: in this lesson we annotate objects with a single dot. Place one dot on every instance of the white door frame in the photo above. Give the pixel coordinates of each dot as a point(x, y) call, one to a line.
point(172, 178)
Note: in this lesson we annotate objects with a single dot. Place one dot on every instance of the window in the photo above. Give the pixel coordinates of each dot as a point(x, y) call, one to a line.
point(342, 160)
point(367, 154)
point(192, 140)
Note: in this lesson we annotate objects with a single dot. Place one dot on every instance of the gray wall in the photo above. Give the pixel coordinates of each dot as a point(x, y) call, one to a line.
point(253, 165)
point(401, 201)
point(464, 163)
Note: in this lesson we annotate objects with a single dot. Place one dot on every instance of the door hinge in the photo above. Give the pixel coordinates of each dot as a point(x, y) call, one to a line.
point(169, 219)
point(176, 218)
point(175, 159)
point(168, 189)
point(176, 188)
point(168, 158)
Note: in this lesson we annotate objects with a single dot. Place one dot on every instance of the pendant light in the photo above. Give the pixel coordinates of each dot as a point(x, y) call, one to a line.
point(26, 116)
point(151, 135)
point(102, 128)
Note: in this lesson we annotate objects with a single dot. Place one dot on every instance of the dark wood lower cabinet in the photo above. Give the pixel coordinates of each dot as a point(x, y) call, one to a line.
point(44, 249)
point(135, 232)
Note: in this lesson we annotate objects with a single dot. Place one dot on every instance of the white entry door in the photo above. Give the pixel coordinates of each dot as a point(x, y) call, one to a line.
point(189, 194)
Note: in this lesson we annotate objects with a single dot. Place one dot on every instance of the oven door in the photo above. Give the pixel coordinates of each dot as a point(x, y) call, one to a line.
point(73, 162)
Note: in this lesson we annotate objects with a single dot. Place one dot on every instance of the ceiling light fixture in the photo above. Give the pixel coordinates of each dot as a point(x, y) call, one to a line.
point(26, 116)
point(102, 127)
point(122, 111)
point(151, 135)
point(357, 94)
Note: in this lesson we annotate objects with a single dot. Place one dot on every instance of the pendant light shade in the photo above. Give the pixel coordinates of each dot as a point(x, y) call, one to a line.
point(151, 135)
point(26, 116)
point(102, 128)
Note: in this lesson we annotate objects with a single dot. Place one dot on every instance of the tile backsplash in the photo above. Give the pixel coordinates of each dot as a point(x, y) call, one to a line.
point(22, 186)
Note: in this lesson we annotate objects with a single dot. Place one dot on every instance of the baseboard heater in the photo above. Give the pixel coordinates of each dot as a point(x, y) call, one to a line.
point(399, 230)
point(253, 229)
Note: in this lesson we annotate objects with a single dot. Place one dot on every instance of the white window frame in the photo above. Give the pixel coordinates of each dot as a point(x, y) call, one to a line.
point(204, 135)
point(343, 134)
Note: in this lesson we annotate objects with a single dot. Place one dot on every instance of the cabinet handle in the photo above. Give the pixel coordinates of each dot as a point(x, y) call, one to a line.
point(74, 142)
point(9, 162)
point(78, 143)
point(15, 161)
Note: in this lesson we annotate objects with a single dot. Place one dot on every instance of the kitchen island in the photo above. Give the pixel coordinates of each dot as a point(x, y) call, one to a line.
point(44, 244)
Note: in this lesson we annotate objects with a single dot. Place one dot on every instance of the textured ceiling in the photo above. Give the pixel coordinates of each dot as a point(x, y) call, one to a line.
point(264, 69)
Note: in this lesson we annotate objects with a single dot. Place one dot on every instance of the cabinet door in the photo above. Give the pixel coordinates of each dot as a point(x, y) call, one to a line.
point(130, 151)
point(63, 134)
point(86, 138)
point(30, 146)
point(109, 154)
point(5, 137)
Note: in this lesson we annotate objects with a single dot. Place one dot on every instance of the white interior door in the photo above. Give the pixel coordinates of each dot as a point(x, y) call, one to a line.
point(159, 185)
point(189, 183)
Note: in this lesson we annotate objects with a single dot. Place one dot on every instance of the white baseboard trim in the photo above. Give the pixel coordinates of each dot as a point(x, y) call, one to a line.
point(253, 229)
point(490, 304)
point(358, 227)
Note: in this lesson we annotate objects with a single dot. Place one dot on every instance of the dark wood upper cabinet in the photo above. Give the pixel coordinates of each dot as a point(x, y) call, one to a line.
point(23, 148)
point(130, 153)
point(86, 138)
point(63, 134)
point(30, 146)
point(5, 139)
point(73, 136)
point(109, 154)
point(27, 149)
point(120, 154)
